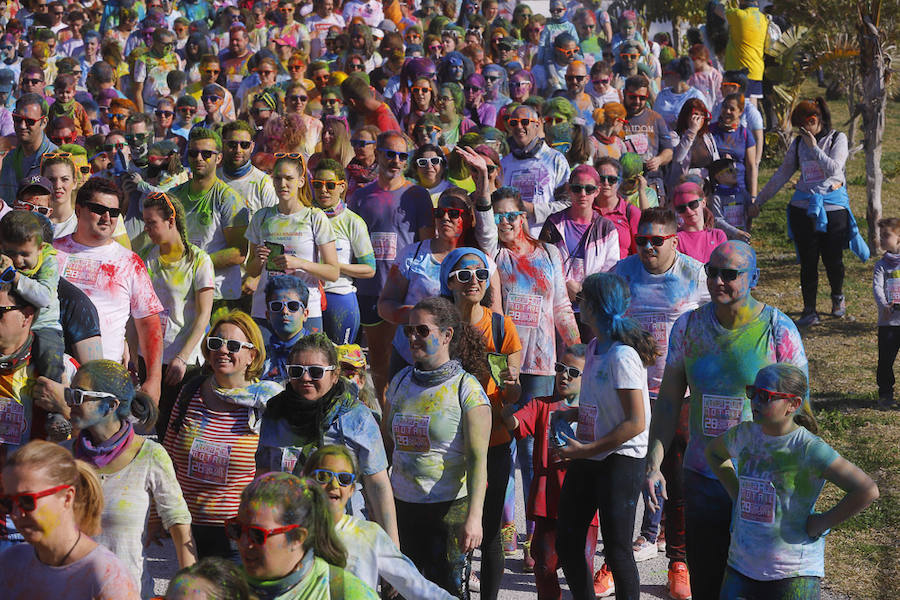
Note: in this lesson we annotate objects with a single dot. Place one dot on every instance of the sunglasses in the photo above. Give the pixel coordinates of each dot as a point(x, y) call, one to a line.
point(361, 143)
point(100, 210)
point(232, 346)
point(356, 67)
point(725, 274)
point(765, 396)
point(608, 179)
point(60, 140)
point(77, 397)
point(41, 210)
point(568, 53)
point(31, 81)
point(331, 185)
point(509, 217)
point(29, 122)
point(113, 147)
point(572, 372)
point(524, 122)
point(629, 55)
point(187, 110)
point(654, 240)
point(258, 111)
point(491, 78)
point(49, 155)
point(466, 275)
point(393, 154)
point(420, 330)
point(316, 372)
point(576, 78)
point(211, 98)
point(298, 98)
point(164, 114)
point(206, 154)
point(641, 97)
point(276, 306)
point(138, 138)
point(295, 67)
point(434, 161)
point(435, 48)
point(118, 116)
point(517, 84)
point(289, 156)
point(235, 530)
point(330, 101)
point(453, 213)
point(554, 120)
point(234, 144)
point(324, 477)
point(27, 502)
point(579, 189)
point(693, 204)
point(600, 81)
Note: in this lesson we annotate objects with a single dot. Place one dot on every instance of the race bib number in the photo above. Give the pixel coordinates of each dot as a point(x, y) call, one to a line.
point(82, 271)
point(288, 460)
point(639, 142)
point(384, 244)
point(208, 462)
point(893, 290)
point(524, 309)
point(812, 171)
point(12, 421)
point(721, 413)
point(734, 215)
point(757, 498)
point(528, 184)
point(411, 433)
point(655, 324)
point(587, 417)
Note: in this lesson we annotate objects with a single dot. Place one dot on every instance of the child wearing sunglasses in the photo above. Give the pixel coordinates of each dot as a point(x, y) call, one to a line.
point(774, 468)
point(371, 553)
point(697, 234)
point(729, 204)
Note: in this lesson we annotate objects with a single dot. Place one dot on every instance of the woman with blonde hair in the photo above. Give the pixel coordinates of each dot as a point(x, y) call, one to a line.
point(607, 138)
point(55, 503)
point(335, 142)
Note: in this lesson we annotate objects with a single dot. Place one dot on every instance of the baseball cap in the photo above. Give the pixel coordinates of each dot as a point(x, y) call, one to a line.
point(35, 181)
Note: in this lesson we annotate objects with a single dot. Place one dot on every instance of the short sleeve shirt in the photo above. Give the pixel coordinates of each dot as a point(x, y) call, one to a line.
point(351, 240)
point(647, 134)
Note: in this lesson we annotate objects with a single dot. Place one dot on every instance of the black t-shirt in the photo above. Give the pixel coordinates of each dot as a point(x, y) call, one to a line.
point(77, 314)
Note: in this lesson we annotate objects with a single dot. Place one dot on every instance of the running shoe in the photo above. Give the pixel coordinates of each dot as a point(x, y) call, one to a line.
point(527, 559)
point(678, 582)
point(474, 582)
point(603, 582)
point(838, 306)
point(808, 319)
point(644, 550)
point(509, 539)
point(661, 539)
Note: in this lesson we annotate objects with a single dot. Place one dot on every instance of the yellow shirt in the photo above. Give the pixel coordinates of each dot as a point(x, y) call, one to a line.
point(747, 30)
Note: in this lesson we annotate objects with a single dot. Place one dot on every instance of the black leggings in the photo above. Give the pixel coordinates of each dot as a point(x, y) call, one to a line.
point(888, 346)
point(499, 464)
point(812, 244)
point(611, 485)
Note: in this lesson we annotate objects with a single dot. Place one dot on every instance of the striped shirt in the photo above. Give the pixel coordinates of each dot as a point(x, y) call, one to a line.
point(214, 457)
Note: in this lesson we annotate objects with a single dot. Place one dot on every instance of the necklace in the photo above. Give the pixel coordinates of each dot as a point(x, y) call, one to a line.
point(69, 553)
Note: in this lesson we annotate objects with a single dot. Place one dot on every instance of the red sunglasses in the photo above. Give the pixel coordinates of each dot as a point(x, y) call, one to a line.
point(26, 501)
point(236, 530)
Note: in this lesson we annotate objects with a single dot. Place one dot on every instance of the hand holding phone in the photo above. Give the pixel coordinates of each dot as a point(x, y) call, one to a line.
point(275, 250)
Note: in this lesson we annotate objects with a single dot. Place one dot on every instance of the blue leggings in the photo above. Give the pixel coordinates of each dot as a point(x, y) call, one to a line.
point(341, 317)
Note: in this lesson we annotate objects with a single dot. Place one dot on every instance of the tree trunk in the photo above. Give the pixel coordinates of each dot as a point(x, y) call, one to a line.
point(872, 71)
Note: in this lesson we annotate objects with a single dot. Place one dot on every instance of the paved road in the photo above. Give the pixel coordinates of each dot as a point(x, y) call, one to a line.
point(516, 585)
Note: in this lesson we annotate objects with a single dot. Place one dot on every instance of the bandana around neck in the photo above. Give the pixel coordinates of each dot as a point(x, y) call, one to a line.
point(104, 453)
point(449, 369)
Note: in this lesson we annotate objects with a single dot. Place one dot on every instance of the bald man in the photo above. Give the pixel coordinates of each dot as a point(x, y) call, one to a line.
point(715, 351)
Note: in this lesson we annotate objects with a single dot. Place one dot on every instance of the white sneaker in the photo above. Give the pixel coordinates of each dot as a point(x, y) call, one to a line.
point(474, 582)
point(643, 550)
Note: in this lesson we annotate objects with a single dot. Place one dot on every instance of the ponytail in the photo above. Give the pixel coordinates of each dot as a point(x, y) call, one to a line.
point(113, 378)
point(88, 499)
point(608, 297)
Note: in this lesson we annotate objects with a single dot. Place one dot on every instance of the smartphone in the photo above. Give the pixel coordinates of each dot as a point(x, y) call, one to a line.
point(275, 250)
point(497, 363)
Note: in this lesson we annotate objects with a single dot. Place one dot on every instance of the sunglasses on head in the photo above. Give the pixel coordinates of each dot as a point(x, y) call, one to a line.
point(572, 372)
point(585, 188)
point(329, 185)
point(234, 144)
point(316, 372)
point(17, 118)
point(434, 161)
point(466, 275)
point(100, 210)
point(235, 530)
point(77, 396)
point(765, 396)
point(41, 210)
point(232, 346)
point(293, 306)
point(509, 217)
point(724, 274)
point(524, 121)
point(654, 240)
point(693, 204)
point(26, 502)
point(290, 156)
point(393, 154)
point(453, 213)
point(324, 477)
point(206, 154)
point(361, 143)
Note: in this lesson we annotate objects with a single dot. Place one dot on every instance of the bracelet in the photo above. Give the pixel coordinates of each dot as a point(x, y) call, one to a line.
point(181, 359)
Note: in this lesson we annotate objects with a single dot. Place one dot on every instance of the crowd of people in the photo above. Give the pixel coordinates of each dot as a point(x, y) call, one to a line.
point(295, 287)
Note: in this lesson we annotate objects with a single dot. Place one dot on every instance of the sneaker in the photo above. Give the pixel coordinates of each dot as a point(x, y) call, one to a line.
point(603, 582)
point(527, 559)
point(474, 582)
point(838, 306)
point(661, 543)
point(644, 550)
point(807, 319)
point(509, 539)
point(678, 582)
point(886, 401)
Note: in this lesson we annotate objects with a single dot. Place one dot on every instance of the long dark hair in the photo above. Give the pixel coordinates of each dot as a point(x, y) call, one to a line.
point(467, 345)
point(607, 296)
point(170, 206)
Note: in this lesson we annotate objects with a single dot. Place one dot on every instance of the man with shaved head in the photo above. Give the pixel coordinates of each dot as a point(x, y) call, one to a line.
point(715, 351)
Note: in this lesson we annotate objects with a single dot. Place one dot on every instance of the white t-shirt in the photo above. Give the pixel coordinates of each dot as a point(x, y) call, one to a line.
point(176, 285)
point(318, 29)
point(351, 240)
point(116, 281)
point(599, 408)
point(255, 189)
point(301, 233)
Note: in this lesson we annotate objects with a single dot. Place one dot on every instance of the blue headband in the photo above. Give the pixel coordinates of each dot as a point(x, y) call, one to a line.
point(450, 261)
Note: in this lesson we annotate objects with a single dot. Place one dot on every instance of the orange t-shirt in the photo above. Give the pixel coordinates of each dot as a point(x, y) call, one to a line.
point(511, 343)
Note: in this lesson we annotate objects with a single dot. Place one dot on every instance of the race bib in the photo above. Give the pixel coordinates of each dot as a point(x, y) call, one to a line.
point(812, 171)
point(639, 142)
point(384, 244)
point(82, 271)
point(12, 421)
point(528, 184)
point(208, 461)
point(524, 309)
point(757, 498)
point(655, 324)
point(721, 413)
point(411, 433)
point(734, 215)
point(587, 417)
point(892, 286)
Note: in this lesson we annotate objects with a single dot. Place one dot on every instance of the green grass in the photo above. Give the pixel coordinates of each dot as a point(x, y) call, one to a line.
point(862, 555)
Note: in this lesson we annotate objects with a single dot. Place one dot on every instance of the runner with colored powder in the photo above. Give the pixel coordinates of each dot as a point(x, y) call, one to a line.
point(715, 350)
point(439, 425)
point(209, 579)
point(774, 469)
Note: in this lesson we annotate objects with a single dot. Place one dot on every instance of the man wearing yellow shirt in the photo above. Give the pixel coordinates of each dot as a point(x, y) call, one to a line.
point(747, 30)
